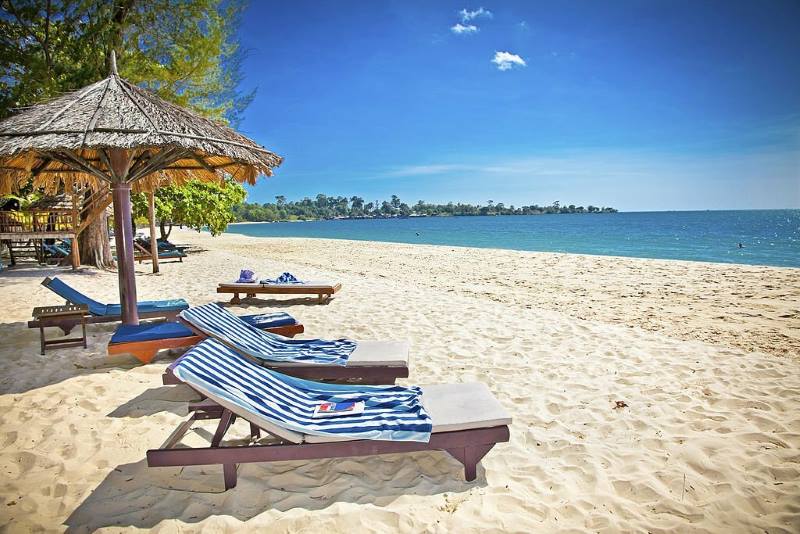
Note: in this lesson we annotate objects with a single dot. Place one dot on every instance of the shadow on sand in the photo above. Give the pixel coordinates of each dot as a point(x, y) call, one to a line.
point(142, 497)
point(21, 347)
point(170, 399)
point(32, 270)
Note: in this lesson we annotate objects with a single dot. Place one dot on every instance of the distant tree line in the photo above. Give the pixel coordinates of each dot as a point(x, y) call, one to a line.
point(325, 207)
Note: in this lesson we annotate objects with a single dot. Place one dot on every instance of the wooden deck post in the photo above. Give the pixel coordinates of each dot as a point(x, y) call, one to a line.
point(151, 214)
point(76, 254)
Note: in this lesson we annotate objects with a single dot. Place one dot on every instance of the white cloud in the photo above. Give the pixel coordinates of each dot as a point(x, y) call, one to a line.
point(461, 29)
point(429, 170)
point(507, 60)
point(466, 15)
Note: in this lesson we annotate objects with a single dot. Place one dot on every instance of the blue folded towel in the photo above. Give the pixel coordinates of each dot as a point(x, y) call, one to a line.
point(246, 277)
point(285, 278)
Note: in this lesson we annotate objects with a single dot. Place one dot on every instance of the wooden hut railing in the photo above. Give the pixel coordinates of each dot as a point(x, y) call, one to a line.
point(32, 223)
point(27, 229)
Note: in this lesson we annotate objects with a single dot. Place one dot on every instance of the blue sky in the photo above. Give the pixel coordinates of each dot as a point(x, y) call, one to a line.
point(641, 105)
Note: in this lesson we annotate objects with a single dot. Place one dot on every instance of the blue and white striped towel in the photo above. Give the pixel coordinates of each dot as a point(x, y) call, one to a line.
point(221, 324)
point(285, 278)
point(391, 413)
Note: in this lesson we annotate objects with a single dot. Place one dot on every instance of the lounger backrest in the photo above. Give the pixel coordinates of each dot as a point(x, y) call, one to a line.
point(217, 322)
point(74, 296)
point(284, 405)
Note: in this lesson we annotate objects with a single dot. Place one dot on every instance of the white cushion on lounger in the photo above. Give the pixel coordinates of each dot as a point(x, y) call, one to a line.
point(367, 353)
point(380, 353)
point(454, 407)
point(312, 285)
point(463, 407)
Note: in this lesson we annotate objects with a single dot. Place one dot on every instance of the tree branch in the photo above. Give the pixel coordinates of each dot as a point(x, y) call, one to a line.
point(32, 33)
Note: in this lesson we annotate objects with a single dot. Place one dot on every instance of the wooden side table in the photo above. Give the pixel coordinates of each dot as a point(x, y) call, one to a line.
point(58, 315)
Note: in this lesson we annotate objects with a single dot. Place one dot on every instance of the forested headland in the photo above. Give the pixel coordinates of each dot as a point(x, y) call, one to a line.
point(339, 207)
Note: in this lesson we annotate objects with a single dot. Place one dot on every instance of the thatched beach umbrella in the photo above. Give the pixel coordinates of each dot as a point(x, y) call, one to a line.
point(115, 134)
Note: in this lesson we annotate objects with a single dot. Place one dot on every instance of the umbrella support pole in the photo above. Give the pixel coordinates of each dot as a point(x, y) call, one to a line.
point(151, 214)
point(123, 237)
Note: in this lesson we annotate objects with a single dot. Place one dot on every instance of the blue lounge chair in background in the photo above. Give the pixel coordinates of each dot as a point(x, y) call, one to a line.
point(143, 254)
point(56, 251)
point(465, 420)
point(109, 313)
point(162, 244)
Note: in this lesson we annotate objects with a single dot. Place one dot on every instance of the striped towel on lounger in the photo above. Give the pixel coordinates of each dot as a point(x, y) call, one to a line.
point(285, 278)
point(390, 412)
point(221, 324)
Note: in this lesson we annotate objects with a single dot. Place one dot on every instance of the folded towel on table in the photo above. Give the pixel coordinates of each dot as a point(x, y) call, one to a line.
point(285, 278)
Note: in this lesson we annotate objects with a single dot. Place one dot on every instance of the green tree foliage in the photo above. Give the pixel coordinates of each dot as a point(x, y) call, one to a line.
point(184, 50)
point(329, 207)
point(198, 205)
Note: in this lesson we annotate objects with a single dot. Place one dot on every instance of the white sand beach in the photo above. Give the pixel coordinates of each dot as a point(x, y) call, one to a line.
point(705, 358)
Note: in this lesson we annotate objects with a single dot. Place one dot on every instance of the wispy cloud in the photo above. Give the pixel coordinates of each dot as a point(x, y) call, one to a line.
point(570, 164)
point(507, 61)
point(467, 15)
point(428, 170)
point(461, 29)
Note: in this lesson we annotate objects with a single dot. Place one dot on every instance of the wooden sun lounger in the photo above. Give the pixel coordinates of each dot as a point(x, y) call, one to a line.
point(468, 446)
point(67, 324)
point(322, 290)
point(362, 369)
point(145, 351)
point(372, 362)
point(142, 254)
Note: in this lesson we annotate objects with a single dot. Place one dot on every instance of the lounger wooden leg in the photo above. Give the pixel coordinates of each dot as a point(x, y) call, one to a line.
point(145, 355)
point(255, 432)
point(224, 423)
point(235, 299)
point(470, 457)
point(67, 326)
point(229, 473)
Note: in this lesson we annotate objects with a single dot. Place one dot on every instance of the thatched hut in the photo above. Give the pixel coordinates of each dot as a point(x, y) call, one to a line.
point(117, 135)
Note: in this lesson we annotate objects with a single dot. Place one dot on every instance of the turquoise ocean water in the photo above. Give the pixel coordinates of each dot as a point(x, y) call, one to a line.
point(769, 237)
